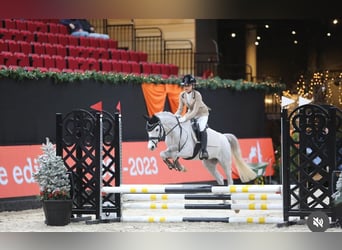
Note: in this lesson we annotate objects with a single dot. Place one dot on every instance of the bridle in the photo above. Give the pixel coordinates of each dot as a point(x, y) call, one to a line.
point(162, 133)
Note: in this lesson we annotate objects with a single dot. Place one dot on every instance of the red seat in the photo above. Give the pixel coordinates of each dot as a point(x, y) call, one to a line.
point(60, 62)
point(142, 56)
point(63, 29)
point(105, 65)
point(135, 67)
point(14, 59)
point(36, 60)
point(73, 40)
point(27, 36)
point(48, 61)
point(63, 39)
point(3, 45)
point(103, 53)
point(126, 67)
point(38, 26)
point(2, 62)
point(12, 46)
point(50, 49)
point(174, 70)
point(53, 28)
point(52, 38)
point(116, 66)
point(82, 63)
point(74, 51)
point(61, 50)
point(86, 52)
point(8, 58)
point(124, 55)
point(20, 24)
point(133, 56)
point(16, 35)
point(94, 42)
point(72, 62)
point(9, 24)
point(31, 25)
point(6, 33)
point(146, 68)
point(37, 48)
point(41, 37)
point(156, 68)
point(111, 43)
point(104, 43)
point(93, 64)
point(22, 59)
point(114, 54)
point(25, 47)
point(84, 41)
point(165, 69)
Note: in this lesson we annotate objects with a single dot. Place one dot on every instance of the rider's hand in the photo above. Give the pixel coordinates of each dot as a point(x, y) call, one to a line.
point(182, 119)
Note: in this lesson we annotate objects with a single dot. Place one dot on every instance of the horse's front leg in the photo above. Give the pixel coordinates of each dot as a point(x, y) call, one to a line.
point(168, 158)
point(179, 166)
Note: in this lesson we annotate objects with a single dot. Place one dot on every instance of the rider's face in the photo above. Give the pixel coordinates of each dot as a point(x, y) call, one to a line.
point(188, 88)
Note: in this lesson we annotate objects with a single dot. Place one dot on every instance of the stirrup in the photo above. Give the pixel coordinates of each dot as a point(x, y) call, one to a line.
point(204, 155)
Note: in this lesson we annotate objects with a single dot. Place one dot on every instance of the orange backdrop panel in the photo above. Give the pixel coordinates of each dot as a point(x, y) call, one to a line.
point(155, 96)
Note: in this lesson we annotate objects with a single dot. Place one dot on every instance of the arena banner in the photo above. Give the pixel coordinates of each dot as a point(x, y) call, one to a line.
point(139, 166)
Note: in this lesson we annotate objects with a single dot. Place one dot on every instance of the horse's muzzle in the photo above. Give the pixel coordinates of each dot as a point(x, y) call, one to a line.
point(151, 145)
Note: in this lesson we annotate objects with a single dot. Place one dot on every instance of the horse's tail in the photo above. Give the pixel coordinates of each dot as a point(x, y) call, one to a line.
point(245, 172)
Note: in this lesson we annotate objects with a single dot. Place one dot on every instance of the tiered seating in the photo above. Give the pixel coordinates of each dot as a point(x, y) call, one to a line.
point(47, 46)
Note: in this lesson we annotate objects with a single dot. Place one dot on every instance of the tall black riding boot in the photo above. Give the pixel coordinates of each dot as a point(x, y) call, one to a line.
point(204, 152)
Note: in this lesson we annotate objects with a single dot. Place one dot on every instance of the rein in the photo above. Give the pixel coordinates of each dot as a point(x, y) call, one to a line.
point(163, 133)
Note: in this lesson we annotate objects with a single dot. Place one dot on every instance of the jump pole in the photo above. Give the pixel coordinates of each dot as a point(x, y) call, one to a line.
point(235, 196)
point(247, 206)
point(193, 189)
point(158, 219)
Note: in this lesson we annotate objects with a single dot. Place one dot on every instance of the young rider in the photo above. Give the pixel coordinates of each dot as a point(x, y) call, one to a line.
point(196, 108)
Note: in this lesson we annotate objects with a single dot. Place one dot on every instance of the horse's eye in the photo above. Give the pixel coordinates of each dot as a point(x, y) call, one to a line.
point(157, 129)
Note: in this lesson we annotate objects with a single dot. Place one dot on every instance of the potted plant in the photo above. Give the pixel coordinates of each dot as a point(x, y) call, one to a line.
point(54, 182)
point(337, 200)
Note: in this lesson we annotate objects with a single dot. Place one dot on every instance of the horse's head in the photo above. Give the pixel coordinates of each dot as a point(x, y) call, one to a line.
point(154, 130)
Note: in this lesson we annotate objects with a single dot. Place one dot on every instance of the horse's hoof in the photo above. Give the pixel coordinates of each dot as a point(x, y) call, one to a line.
point(237, 211)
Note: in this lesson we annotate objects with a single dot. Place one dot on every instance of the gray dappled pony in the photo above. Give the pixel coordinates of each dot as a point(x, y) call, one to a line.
point(181, 140)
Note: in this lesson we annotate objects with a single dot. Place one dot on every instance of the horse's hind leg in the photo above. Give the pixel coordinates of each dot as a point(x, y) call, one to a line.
point(227, 169)
point(211, 166)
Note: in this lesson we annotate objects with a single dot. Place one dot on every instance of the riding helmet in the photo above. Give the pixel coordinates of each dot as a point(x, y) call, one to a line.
point(188, 80)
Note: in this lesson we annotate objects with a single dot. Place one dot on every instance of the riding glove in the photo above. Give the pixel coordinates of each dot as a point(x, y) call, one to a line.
point(182, 119)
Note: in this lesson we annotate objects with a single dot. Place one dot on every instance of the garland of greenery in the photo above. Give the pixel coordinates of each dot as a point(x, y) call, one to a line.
point(120, 78)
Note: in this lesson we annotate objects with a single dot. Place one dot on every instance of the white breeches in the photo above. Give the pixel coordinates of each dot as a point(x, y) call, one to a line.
point(202, 122)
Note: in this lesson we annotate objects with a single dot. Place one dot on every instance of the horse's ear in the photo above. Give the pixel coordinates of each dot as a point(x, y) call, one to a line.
point(147, 118)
